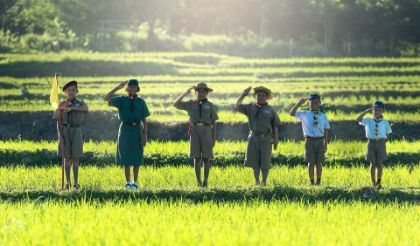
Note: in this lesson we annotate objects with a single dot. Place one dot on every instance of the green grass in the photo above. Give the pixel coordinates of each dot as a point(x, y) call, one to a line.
point(182, 178)
point(184, 223)
point(347, 153)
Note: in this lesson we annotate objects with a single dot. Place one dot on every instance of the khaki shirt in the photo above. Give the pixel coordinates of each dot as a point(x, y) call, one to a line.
point(263, 122)
point(73, 117)
point(208, 111)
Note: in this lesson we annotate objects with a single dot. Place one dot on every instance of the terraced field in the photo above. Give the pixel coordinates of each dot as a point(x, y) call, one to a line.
point(169, 208)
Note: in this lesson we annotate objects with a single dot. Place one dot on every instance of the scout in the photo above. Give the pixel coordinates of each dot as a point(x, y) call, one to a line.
point(377, 129)
point(315, 128)
point(132, 134)
point(202, 128)
point(263, 123)
point(70, 115)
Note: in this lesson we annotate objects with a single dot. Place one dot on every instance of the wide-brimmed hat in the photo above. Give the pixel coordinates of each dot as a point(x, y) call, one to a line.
point(263, 89)
point(378, 104)
point(70, 83)
point(202, 85)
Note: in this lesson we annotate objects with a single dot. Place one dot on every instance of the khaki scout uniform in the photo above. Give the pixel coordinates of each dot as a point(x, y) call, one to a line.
point(261, 121)
point(202, 116)
point(72, 130)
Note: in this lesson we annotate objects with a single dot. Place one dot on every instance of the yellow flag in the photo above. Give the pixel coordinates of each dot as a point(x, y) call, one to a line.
point(54, 93)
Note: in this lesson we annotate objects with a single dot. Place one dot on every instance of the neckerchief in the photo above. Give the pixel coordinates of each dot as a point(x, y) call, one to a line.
point(132, 98)
point(200, 103)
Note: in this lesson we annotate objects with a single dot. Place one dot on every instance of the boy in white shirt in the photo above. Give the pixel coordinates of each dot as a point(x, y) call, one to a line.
point(377, 129)
point(315, 128)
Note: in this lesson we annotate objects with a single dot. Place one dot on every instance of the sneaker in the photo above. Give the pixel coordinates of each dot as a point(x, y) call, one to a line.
point(66, 187)
point(128, 186)
point(134, 186)
point(205, 184)
point(76, 186)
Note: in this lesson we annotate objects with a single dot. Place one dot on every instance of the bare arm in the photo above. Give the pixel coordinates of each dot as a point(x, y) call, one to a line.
point(295, 108)
point(326, 137)
point(214, 133)
point(144, 139)
point(108, 96)
point(275, 137)
point(179, 99)
point(360, 117)
point(241, 98)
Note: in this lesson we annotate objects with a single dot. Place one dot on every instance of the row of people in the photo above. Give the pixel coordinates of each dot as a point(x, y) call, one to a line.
point(263, 122)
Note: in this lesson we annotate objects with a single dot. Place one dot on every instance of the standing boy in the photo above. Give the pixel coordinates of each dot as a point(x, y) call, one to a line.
point(70, 115)
point(202, 128)
point(263, 123)
point(377, 129)
point(132, 134)
point(315, 128)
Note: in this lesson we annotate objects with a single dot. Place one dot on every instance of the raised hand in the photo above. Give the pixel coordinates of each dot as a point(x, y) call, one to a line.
point(122, 85)
point(247, 90)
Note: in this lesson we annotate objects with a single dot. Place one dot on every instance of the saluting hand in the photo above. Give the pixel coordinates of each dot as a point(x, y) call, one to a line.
point(189, 90)
point(247, 90)
point(302, 101)
point(122, 85)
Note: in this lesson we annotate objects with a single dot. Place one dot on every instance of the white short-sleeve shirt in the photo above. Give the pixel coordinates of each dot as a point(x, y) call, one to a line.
point(369, 123)
point(307, 119)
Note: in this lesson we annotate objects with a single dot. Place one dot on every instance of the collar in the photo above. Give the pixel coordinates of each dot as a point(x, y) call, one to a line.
point(261, 105)
point(132, 97)
point(202, 101)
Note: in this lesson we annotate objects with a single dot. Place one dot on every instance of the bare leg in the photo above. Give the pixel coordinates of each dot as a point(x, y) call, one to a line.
point(379, 167)
point(372, 173)
point(264, 176)
point(311, 170)
point(206, 171)
point(197, 167)
point(127, 173)
point(67, 163)
point(318, 173)
point(135, 173)
point(75, 163)
point(257, 176)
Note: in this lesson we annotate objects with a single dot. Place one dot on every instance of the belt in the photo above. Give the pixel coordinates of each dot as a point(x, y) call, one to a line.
point(376, 140)
point(313, 138)
point(136, 123)
point(256, 134)
point(72, 125)
point(200, 124)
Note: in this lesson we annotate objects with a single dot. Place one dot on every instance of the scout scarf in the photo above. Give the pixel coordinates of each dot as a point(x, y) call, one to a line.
point(200, 103)
point(132, 98)
point(259, 106)
point(315, 117)
point(377, 121)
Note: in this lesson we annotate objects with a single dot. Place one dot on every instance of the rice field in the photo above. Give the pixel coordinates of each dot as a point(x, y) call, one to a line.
point(168, 208)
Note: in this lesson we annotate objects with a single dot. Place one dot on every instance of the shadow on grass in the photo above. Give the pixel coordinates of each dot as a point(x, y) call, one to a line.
point(278, 193)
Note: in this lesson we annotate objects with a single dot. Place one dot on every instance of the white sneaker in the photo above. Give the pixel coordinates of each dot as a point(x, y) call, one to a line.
point(134, 186)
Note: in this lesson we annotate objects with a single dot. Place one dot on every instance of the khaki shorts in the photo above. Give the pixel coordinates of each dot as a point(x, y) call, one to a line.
point(314, 150)
point(376, 150)
point(73, 143)
point(201, 142)
point(258, 152)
